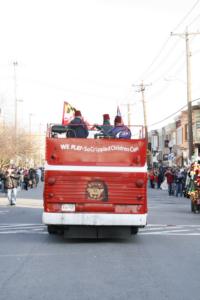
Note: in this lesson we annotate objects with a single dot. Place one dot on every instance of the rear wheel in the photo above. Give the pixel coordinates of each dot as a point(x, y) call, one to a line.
point(53, 229)
point(134, 230)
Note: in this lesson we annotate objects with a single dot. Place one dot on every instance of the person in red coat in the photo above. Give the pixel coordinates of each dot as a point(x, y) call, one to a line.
point(152, 179)
point(170, 180)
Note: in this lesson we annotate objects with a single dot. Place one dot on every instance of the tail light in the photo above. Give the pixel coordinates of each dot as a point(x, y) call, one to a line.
point(51, 180)
point(139, 183)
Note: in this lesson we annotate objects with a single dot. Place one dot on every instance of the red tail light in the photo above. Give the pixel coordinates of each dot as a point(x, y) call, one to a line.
point(51, 180)
point(139, 183)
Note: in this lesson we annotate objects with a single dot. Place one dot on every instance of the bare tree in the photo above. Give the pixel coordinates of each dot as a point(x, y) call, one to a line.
point(22, 150)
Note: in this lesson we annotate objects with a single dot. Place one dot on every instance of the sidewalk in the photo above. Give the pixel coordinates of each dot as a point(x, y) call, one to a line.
point(32, 203)
point(31, 198)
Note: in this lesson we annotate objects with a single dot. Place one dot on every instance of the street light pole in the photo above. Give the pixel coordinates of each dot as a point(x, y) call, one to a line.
point(30, 127)
point(144, 111)
point(15, 97)
point(189, 97)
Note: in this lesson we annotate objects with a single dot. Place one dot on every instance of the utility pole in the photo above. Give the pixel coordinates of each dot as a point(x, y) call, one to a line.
point(128, 113)
point(186, 35)
point(142, 89)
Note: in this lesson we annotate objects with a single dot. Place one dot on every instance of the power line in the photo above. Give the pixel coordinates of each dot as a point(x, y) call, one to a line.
point(166, 42)
point(185, 17)
point(194, 20)
point(173, 114)
point(170, 68)
point(163, 88)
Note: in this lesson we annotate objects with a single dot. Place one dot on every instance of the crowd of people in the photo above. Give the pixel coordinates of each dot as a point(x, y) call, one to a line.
point(14, 178)
point(177, 181)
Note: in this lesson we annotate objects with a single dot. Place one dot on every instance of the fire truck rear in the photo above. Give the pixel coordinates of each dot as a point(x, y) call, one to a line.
point(94, 187)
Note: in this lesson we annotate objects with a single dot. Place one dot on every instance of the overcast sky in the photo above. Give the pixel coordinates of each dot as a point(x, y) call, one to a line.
point(91, 53)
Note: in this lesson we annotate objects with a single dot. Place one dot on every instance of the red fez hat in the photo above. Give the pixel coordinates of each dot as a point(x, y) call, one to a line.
point(77, 113)
point(106, 117)
point(118, 119)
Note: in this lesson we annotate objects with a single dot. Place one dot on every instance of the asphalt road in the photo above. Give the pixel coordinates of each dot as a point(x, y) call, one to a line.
point(161, 262)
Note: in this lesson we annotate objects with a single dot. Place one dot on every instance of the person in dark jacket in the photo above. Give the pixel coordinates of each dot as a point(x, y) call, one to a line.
point(11, 182)
point(78, 127)
point(26, 179)
point(179, 179)
point(106, 127)
point(120, 131)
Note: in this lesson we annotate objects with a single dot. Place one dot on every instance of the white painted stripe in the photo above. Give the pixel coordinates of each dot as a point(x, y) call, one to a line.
point(94, 219)
point(96, 169)
point(165, 232)
point(20, 225)
point(170, 234)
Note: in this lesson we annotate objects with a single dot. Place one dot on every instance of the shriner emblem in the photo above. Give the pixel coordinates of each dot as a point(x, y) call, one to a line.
point(97, 190)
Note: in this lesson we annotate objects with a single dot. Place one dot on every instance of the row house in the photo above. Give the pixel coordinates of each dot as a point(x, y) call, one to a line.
point(169, 144)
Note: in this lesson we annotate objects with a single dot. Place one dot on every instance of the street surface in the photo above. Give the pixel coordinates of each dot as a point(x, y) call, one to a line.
point(161, 262)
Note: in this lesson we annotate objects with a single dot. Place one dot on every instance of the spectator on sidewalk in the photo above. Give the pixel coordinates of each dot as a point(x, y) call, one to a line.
point(170, 180)
point(152, 178)
point(11, 181)
point(26, 179)
point(179, 179)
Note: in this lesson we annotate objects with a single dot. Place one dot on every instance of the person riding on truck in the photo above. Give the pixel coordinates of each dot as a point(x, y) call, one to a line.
point(106, 127)
point(120, 131)
point(78, 127)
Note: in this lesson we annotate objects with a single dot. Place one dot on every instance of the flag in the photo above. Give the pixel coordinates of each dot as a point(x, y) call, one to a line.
point(118, 111)
point(68, 113)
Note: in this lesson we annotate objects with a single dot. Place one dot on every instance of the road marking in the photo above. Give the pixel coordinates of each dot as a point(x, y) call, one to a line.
point(3, 212)
point(22, 228)
point(164, 229)
point(150, 229)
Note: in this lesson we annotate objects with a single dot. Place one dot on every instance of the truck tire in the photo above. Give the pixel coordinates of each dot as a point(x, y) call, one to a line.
point(134, 230)
point(52, 229)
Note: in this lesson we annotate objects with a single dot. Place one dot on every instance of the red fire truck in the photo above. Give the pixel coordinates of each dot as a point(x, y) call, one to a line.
point(94, 187)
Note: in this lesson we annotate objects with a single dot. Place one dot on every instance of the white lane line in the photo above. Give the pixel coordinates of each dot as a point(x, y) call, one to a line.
point(21, 225)
point(165, 232)
point(22, 231)
point(164, 229)
point(22, 228)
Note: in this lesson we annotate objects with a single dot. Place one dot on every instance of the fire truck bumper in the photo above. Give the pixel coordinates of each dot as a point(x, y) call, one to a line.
point(94, 219)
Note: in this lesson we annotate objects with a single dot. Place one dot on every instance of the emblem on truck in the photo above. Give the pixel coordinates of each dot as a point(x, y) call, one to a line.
point(97, 190)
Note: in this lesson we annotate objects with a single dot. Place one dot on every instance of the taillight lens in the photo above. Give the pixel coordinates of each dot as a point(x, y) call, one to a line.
point(139, 183)
point(51, 180)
